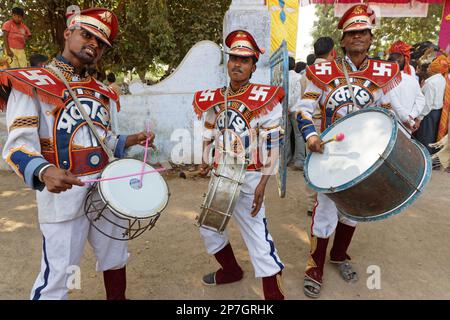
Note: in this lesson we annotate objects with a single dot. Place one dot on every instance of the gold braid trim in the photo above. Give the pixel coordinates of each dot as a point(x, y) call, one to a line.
point(67, 70)
point(24, 122)
point(46, 144)
point(311, 95)
point(239, 91)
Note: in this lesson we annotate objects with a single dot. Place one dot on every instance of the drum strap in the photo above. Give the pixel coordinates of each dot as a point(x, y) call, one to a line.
point(349, 86)
point(83, 112)
point(225, 133)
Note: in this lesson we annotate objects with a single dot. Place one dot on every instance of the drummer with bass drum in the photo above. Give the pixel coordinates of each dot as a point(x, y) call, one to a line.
point(328, 90)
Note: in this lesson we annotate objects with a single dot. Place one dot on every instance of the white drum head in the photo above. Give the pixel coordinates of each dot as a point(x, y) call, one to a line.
point(367, 135)
point(124, 195)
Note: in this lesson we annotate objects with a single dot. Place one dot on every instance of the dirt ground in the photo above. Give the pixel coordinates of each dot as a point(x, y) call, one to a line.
point(411, 249)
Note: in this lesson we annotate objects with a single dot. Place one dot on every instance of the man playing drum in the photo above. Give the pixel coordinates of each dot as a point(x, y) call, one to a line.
point(328, 90)
point(250, 107)
point(50, 146)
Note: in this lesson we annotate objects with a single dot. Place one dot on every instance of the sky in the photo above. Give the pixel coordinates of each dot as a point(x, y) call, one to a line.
point(306, 18)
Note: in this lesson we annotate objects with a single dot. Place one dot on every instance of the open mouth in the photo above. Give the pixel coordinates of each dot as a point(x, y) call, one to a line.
point(90, 52)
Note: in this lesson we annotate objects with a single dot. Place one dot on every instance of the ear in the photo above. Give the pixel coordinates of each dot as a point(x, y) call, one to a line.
point(67, 34)
point(254, 68)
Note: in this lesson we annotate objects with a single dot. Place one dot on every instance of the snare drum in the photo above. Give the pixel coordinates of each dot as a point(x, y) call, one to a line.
point(223, 192)
point(375, 172)
point(127, 204)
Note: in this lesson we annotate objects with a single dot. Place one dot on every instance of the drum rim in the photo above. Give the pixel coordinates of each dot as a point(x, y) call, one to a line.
point(215, 176)
point(110, 206)
point(411, 199)
point(371, 169)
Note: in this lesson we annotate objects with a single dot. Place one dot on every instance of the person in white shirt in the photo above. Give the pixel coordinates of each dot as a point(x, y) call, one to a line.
point(323, 51)
point(433, 90)
point(407, 96)
point(295, 88)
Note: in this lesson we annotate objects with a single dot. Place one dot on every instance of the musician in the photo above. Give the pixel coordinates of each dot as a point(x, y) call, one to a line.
point(327, 90)
point(252, 109)
point(50, 146)
point(408, 97)
point(435, 88)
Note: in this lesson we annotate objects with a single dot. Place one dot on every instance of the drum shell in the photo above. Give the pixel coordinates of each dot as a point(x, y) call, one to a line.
point(223, 193)
point(399, 179)
point(391, 184)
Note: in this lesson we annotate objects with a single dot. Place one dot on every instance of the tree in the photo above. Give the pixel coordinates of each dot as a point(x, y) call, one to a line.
point(409, 30)
point(195, 20)
point(152, 32)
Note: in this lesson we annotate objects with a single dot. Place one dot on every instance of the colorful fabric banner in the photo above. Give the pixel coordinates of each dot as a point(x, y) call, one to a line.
point(444, 35)
point(284, 23)
point(307, 2)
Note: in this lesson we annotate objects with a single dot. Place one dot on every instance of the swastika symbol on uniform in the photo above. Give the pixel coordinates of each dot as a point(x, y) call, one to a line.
point(207, 95)
point(323, 68)
point(38, 78)
point(381, 69)
point(259, 93)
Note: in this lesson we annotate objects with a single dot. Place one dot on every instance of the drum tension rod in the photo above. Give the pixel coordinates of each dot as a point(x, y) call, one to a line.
point(398, 173)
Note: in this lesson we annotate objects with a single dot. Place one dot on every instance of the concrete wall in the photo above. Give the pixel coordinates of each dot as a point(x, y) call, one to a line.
point(252, 16)
point(168, 104)
point(3, 135)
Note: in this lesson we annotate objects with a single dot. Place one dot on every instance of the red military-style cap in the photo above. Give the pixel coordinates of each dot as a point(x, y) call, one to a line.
point(100, 22)
point(242, 44)
point(359, 17)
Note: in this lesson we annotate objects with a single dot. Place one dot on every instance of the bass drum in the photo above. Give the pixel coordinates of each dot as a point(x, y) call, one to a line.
point(375, 172)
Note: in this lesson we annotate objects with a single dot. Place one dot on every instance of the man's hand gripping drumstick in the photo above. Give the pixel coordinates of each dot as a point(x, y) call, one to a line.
point(205, 168)
point(315, 144)
point(58, 180)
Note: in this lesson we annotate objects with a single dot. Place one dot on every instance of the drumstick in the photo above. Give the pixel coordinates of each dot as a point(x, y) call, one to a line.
point(147, 129)
point(338, 137)
point(126, 176)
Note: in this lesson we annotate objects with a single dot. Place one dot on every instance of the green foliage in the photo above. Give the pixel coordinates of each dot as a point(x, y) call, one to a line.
point(154, 36)
point(409, 30)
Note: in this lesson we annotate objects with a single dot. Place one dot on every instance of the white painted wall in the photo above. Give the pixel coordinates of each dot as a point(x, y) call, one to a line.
point(168, 104)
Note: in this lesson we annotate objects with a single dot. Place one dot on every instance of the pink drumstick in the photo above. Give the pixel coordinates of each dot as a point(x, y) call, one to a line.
point(147, 129)
point(338, 137)
point(126, 176)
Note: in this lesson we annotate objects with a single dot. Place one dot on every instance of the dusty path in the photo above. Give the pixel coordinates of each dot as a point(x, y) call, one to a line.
point(168, 262)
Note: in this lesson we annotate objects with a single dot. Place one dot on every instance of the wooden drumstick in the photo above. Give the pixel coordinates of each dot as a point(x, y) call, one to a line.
point(338, 137)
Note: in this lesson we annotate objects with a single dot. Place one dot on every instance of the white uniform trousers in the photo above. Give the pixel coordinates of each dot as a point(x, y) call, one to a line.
point(63, 246)
point(257, 238)
point(326, 216)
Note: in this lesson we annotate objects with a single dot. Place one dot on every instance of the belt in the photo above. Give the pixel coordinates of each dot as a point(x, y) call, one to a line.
point(82, 161)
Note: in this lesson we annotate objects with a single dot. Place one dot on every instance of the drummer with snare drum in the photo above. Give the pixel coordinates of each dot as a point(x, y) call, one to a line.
point(253, 112)
point(51, 146)
point(328, 90)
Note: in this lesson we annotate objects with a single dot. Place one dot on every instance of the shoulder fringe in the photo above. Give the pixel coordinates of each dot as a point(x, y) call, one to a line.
point(27, 89)
point(197, 110)
point(393, 83)
point(269, 105)
point(314, 80)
